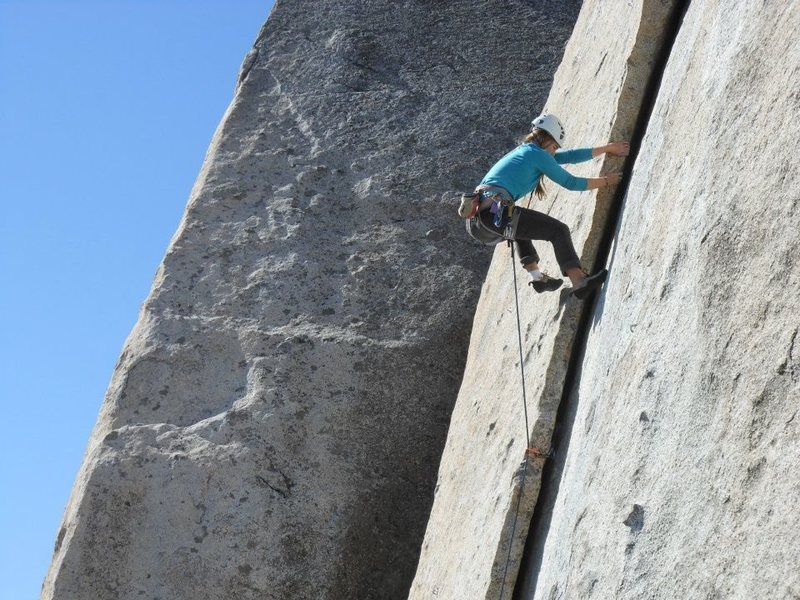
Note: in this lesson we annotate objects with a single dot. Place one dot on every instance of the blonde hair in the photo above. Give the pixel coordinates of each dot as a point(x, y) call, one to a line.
point(541, 138)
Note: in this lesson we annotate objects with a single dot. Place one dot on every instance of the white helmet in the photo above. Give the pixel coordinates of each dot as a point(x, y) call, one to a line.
point(551, 125)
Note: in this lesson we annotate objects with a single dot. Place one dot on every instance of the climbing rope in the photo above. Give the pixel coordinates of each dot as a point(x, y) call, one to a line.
point(519, 340)
point(530, 199)
point(529, 451)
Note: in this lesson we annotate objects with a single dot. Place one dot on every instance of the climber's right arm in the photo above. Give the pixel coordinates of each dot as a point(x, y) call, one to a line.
point(595, 183)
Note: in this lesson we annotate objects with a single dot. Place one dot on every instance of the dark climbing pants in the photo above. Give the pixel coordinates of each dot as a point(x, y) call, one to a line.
point(533, 225)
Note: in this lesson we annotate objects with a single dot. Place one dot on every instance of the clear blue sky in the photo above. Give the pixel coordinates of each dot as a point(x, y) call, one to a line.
point(106, 111)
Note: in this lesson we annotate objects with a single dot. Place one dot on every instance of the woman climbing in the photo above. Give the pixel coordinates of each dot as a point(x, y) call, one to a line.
point(493, 215)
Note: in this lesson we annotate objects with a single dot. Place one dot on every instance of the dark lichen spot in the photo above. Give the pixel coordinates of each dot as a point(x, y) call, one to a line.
point(635, 519)
point(60, 538)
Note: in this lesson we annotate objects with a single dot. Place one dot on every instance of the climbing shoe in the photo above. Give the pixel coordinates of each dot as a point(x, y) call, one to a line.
point(546, 284)
point(590, 283)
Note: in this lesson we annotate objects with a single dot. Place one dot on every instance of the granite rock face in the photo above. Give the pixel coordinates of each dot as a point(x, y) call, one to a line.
point(275, 421)
point(679, 444)
point(597, 93)
point(681, 478)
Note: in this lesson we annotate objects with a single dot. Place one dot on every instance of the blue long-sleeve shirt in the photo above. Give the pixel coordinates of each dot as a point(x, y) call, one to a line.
point(519, 170)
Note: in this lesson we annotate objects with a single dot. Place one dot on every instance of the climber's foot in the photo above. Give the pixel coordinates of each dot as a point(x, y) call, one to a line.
point(590, 283)
point(546, 284)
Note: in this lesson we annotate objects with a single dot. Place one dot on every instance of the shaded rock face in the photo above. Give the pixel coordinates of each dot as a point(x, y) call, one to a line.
point(275, 421)
point(469, 550)
point(677, 452)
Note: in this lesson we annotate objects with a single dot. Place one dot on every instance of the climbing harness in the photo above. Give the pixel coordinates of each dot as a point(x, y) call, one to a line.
point(479, 232)
point(504, 217)
point(533, 452)
point(502, 209)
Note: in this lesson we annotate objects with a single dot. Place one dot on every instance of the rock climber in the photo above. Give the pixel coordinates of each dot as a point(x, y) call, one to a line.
point(493, 215)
